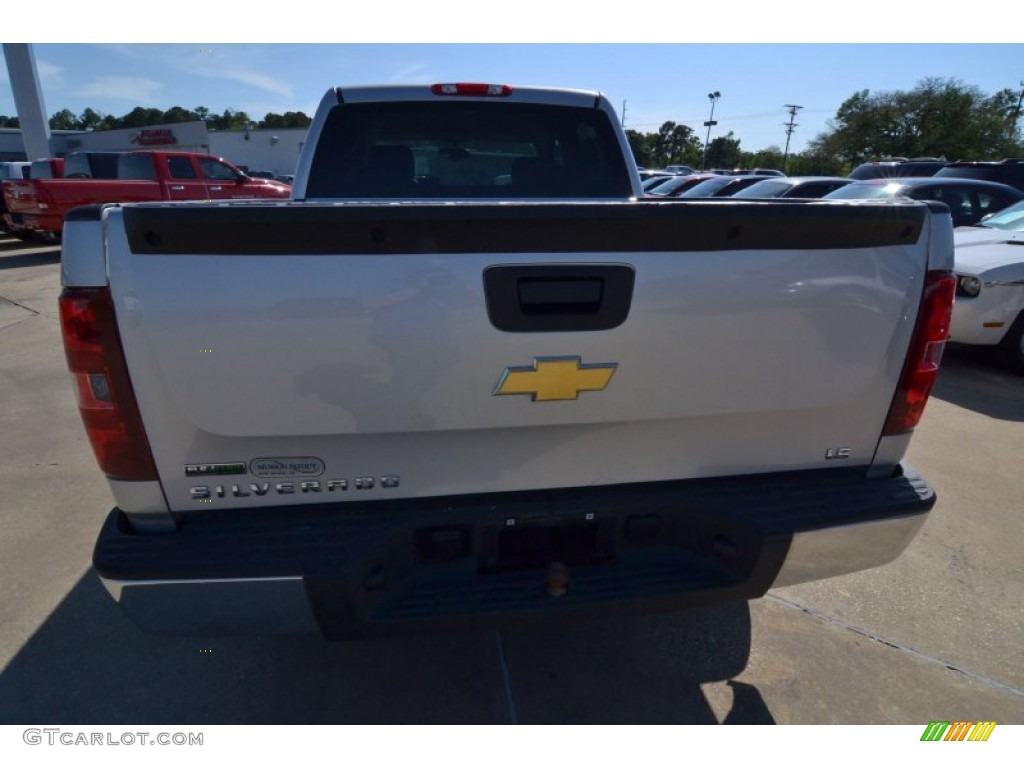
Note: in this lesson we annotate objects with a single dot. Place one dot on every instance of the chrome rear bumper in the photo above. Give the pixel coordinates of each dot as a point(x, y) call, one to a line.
point(404, 567)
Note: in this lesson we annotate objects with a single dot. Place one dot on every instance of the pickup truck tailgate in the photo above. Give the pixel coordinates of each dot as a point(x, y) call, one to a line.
point(384, 350)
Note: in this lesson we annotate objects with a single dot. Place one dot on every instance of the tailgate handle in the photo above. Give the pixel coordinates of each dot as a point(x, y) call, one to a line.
point(568, 297)
point(560, 295)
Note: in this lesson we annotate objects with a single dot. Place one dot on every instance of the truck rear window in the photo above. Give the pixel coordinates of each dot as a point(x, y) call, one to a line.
point(91, 165)
point(467, 150)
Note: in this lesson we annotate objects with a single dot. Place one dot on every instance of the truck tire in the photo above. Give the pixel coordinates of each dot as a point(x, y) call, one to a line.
point(1011, 348)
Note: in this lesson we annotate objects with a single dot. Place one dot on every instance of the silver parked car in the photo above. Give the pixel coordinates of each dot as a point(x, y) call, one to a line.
point(794, 186)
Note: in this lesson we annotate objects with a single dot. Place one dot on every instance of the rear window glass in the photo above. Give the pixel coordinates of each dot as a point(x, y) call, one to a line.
point(91, 165)
point(884, 170)
point(972, 172)
point(41, 169)
point(135, 168)
point(467, 150)
point(1001, 173)
point(77, 167)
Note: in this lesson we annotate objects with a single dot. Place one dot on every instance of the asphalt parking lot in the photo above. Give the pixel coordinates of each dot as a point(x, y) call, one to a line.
point(938, 634)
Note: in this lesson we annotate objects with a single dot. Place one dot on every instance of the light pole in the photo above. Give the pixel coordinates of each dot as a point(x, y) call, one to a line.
point(714, 96)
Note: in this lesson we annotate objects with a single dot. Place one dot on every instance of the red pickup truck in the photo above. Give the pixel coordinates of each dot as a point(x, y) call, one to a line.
point(36, 207)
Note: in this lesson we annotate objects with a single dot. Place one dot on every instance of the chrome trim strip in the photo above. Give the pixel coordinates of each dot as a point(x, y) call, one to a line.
point(263, 606)
point(831, 552)
point(144, 505)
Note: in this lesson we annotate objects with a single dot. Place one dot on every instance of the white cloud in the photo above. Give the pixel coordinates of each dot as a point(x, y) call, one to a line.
point(255, 79)
point(412, 73)
point(138, 90)
point(215, 62)
point(51, 77)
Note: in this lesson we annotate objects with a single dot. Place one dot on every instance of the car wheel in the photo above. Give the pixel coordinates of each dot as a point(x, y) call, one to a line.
point(1011, 348)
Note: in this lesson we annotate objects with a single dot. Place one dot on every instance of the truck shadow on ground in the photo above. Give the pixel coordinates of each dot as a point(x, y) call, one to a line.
point(35, 258)
point(87, 664)
point(971, 378)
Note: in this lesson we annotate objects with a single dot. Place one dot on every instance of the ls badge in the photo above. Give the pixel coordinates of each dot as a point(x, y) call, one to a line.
point(555, 378)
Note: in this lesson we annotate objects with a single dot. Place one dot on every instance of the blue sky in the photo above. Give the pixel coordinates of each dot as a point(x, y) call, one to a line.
point(658, 81)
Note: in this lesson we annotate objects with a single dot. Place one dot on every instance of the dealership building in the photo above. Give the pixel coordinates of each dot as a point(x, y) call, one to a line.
point(254, 149)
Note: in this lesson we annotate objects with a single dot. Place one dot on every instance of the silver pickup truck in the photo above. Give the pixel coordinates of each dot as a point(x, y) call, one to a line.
point(469, 375)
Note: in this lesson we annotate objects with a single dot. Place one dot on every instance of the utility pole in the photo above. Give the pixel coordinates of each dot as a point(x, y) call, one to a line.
point(623, 114)
point(790, 127)
point(713, 96)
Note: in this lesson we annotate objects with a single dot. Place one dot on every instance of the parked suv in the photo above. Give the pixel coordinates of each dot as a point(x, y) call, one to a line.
point(898, 167)
point(1009, 171)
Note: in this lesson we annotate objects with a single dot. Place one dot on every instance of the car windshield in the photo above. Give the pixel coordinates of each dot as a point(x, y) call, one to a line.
point(1011, 219)
point(671, 185)
point(656, 181)
point(768, 188)
point(860, 191)
point(708, 187)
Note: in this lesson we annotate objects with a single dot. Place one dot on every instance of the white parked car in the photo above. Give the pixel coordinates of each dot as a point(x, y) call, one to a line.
point(989, 308)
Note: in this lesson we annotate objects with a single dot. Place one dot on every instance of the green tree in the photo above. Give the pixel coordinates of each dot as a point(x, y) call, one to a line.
point(938, 118)
point(770, 157)
point(90, 119)
point(639, 143)
point(9, 122)
point(140, 117)
point(810, 163)
point(673, 144)
point(65, 120)
point(228, 120)
point(724, 152)
point(287, 120)
point(179, 115)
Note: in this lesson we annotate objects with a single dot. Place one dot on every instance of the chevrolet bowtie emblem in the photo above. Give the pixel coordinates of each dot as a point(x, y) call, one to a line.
point(555, 378)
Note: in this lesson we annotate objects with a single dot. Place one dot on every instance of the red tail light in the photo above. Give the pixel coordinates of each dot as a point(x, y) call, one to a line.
point(105, 397)
point(926, 347)
point(470, 89)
